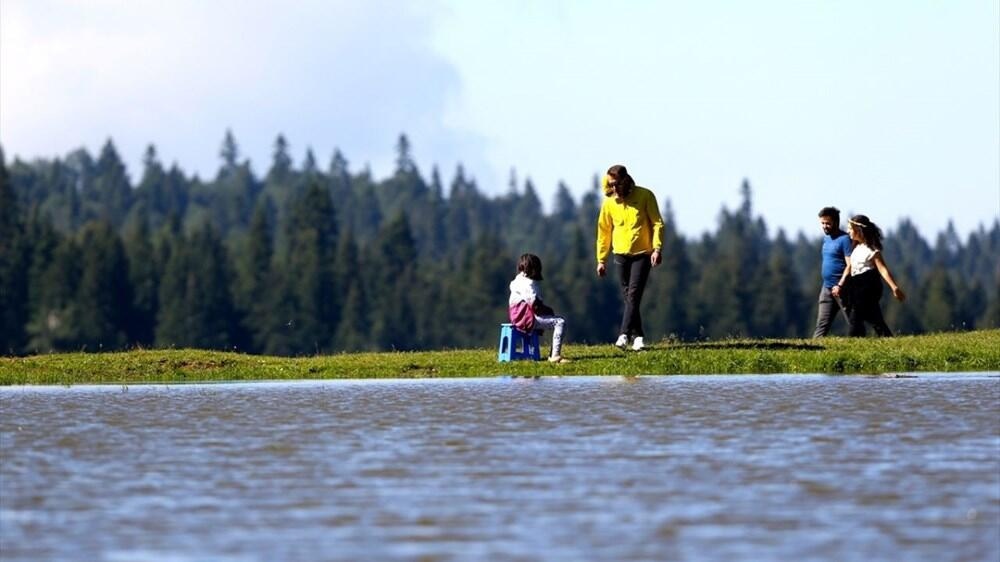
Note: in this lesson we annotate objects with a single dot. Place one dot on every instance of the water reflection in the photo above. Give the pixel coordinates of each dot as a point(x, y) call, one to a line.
point(726, 468)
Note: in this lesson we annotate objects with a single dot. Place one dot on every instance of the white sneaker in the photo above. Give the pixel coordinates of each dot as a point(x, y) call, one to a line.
point(622, 342)
point(638, 344)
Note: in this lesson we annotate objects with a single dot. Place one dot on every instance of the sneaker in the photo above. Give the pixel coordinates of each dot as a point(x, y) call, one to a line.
point(558, 359)
point(638, 344)
point(622, 342)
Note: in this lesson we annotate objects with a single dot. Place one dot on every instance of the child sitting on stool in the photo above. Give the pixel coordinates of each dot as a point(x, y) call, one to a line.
point(527, 311)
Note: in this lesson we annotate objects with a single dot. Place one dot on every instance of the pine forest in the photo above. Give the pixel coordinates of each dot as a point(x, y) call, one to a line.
point(317, 258)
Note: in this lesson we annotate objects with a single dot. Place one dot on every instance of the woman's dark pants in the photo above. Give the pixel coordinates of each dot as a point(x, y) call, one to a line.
point(633, 272)
point(866, 291)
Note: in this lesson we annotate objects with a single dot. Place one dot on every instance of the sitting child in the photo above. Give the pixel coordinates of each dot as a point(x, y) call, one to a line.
point(527, 311)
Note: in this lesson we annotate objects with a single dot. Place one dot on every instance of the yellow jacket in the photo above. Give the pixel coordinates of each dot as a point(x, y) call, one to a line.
point(631, 227)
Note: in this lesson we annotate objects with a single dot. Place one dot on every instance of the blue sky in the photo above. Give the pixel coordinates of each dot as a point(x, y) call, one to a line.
point(887, 108)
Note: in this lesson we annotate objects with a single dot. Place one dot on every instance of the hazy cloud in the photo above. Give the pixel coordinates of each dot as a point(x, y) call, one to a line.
point(351, 75)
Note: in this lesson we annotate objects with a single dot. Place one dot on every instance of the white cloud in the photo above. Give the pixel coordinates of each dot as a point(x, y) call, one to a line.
point(351, 75)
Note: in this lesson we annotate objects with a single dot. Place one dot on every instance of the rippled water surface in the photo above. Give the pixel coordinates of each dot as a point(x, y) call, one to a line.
point(688, 468)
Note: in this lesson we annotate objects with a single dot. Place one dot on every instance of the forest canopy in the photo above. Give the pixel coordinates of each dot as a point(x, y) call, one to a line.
point(318, 258)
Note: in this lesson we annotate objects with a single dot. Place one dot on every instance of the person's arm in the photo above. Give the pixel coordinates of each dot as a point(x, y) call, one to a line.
point(604, 226)
point(835, 291)
point(883, 270)
point(653, 213)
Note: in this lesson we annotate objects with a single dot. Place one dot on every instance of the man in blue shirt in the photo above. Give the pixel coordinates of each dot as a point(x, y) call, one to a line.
point(836, 248)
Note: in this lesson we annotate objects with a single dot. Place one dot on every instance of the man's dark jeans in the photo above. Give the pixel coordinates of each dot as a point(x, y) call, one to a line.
point(633, 272)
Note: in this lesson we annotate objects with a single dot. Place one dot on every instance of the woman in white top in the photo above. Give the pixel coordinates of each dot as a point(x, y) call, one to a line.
point(860, 287)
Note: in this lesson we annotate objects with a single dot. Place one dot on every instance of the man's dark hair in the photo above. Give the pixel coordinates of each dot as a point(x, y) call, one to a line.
point(832, 212)
point(531, 266)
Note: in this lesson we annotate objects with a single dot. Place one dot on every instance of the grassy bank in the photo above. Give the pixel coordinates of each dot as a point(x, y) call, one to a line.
point(970, 351)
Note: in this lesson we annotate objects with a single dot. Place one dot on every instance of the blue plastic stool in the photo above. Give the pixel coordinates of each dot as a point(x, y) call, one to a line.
point(516, 345)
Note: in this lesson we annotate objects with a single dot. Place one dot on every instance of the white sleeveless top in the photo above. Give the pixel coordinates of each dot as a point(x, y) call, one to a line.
point(862, 259)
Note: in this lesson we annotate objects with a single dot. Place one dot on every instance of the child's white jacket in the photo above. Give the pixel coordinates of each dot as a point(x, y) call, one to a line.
point(523, 294)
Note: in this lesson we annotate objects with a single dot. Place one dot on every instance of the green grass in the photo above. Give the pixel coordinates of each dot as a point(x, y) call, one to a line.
point(968, 351)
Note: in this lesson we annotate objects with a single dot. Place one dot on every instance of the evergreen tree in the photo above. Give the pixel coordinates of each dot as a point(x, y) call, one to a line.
point(589, 304)
point(282, 185)
point(732, 271)
point(229, 153)
point(435, 243)
point(339, 181)
point(176, 197)
point(196, 308)
point(457, 225)
point(150, 197)
point(281, 165)
point(144, 275)
point(406, 192)
point(104, 296)
point(209, 301)
point(14, 259)
point(352, 332)
point(82, 171)
point(565, 208)
point(312, 230)
point(55, 315)
point(477, 295)
point(404, 160)
point(109, 197)
point(778, 312)
point(365, 213)
point(670, 285)
point(309, 168)
point(972, 301)
point(939, 301)
point(53, 189)
point(393, 273)
point(991, 315)
point(526, 225)
point(590, 207)
point(256, 278)
point(234, 194)
point(44, 241)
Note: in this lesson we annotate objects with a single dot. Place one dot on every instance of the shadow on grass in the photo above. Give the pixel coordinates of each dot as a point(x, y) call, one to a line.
point(771, 346)
point(576, 357)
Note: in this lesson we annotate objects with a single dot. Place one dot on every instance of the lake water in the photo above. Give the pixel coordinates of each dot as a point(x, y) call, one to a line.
point(576, 468)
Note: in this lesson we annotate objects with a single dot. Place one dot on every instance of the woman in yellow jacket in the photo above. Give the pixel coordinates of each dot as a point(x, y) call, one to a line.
point(630, 226)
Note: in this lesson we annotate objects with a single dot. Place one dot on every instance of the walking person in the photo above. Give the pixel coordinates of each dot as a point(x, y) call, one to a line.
point(863, 276)
point(837, 246)
point(629, 226)
point(526, 309)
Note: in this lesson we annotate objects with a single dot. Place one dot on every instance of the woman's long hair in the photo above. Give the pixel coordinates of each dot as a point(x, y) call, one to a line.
point(870, 232)
point(619, 175)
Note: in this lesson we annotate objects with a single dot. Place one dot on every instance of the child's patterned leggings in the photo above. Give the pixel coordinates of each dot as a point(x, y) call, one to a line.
point(556, 324)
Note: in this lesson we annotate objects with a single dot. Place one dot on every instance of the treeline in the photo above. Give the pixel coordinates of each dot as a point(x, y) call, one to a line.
point(310, 259)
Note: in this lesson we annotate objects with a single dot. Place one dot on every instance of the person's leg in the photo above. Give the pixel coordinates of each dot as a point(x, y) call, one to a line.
point(624, 276)
point(878, 322)
point(856, 319)
point(843, 311)
point(824, 314)
point(558, 324)
point(637, 286)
